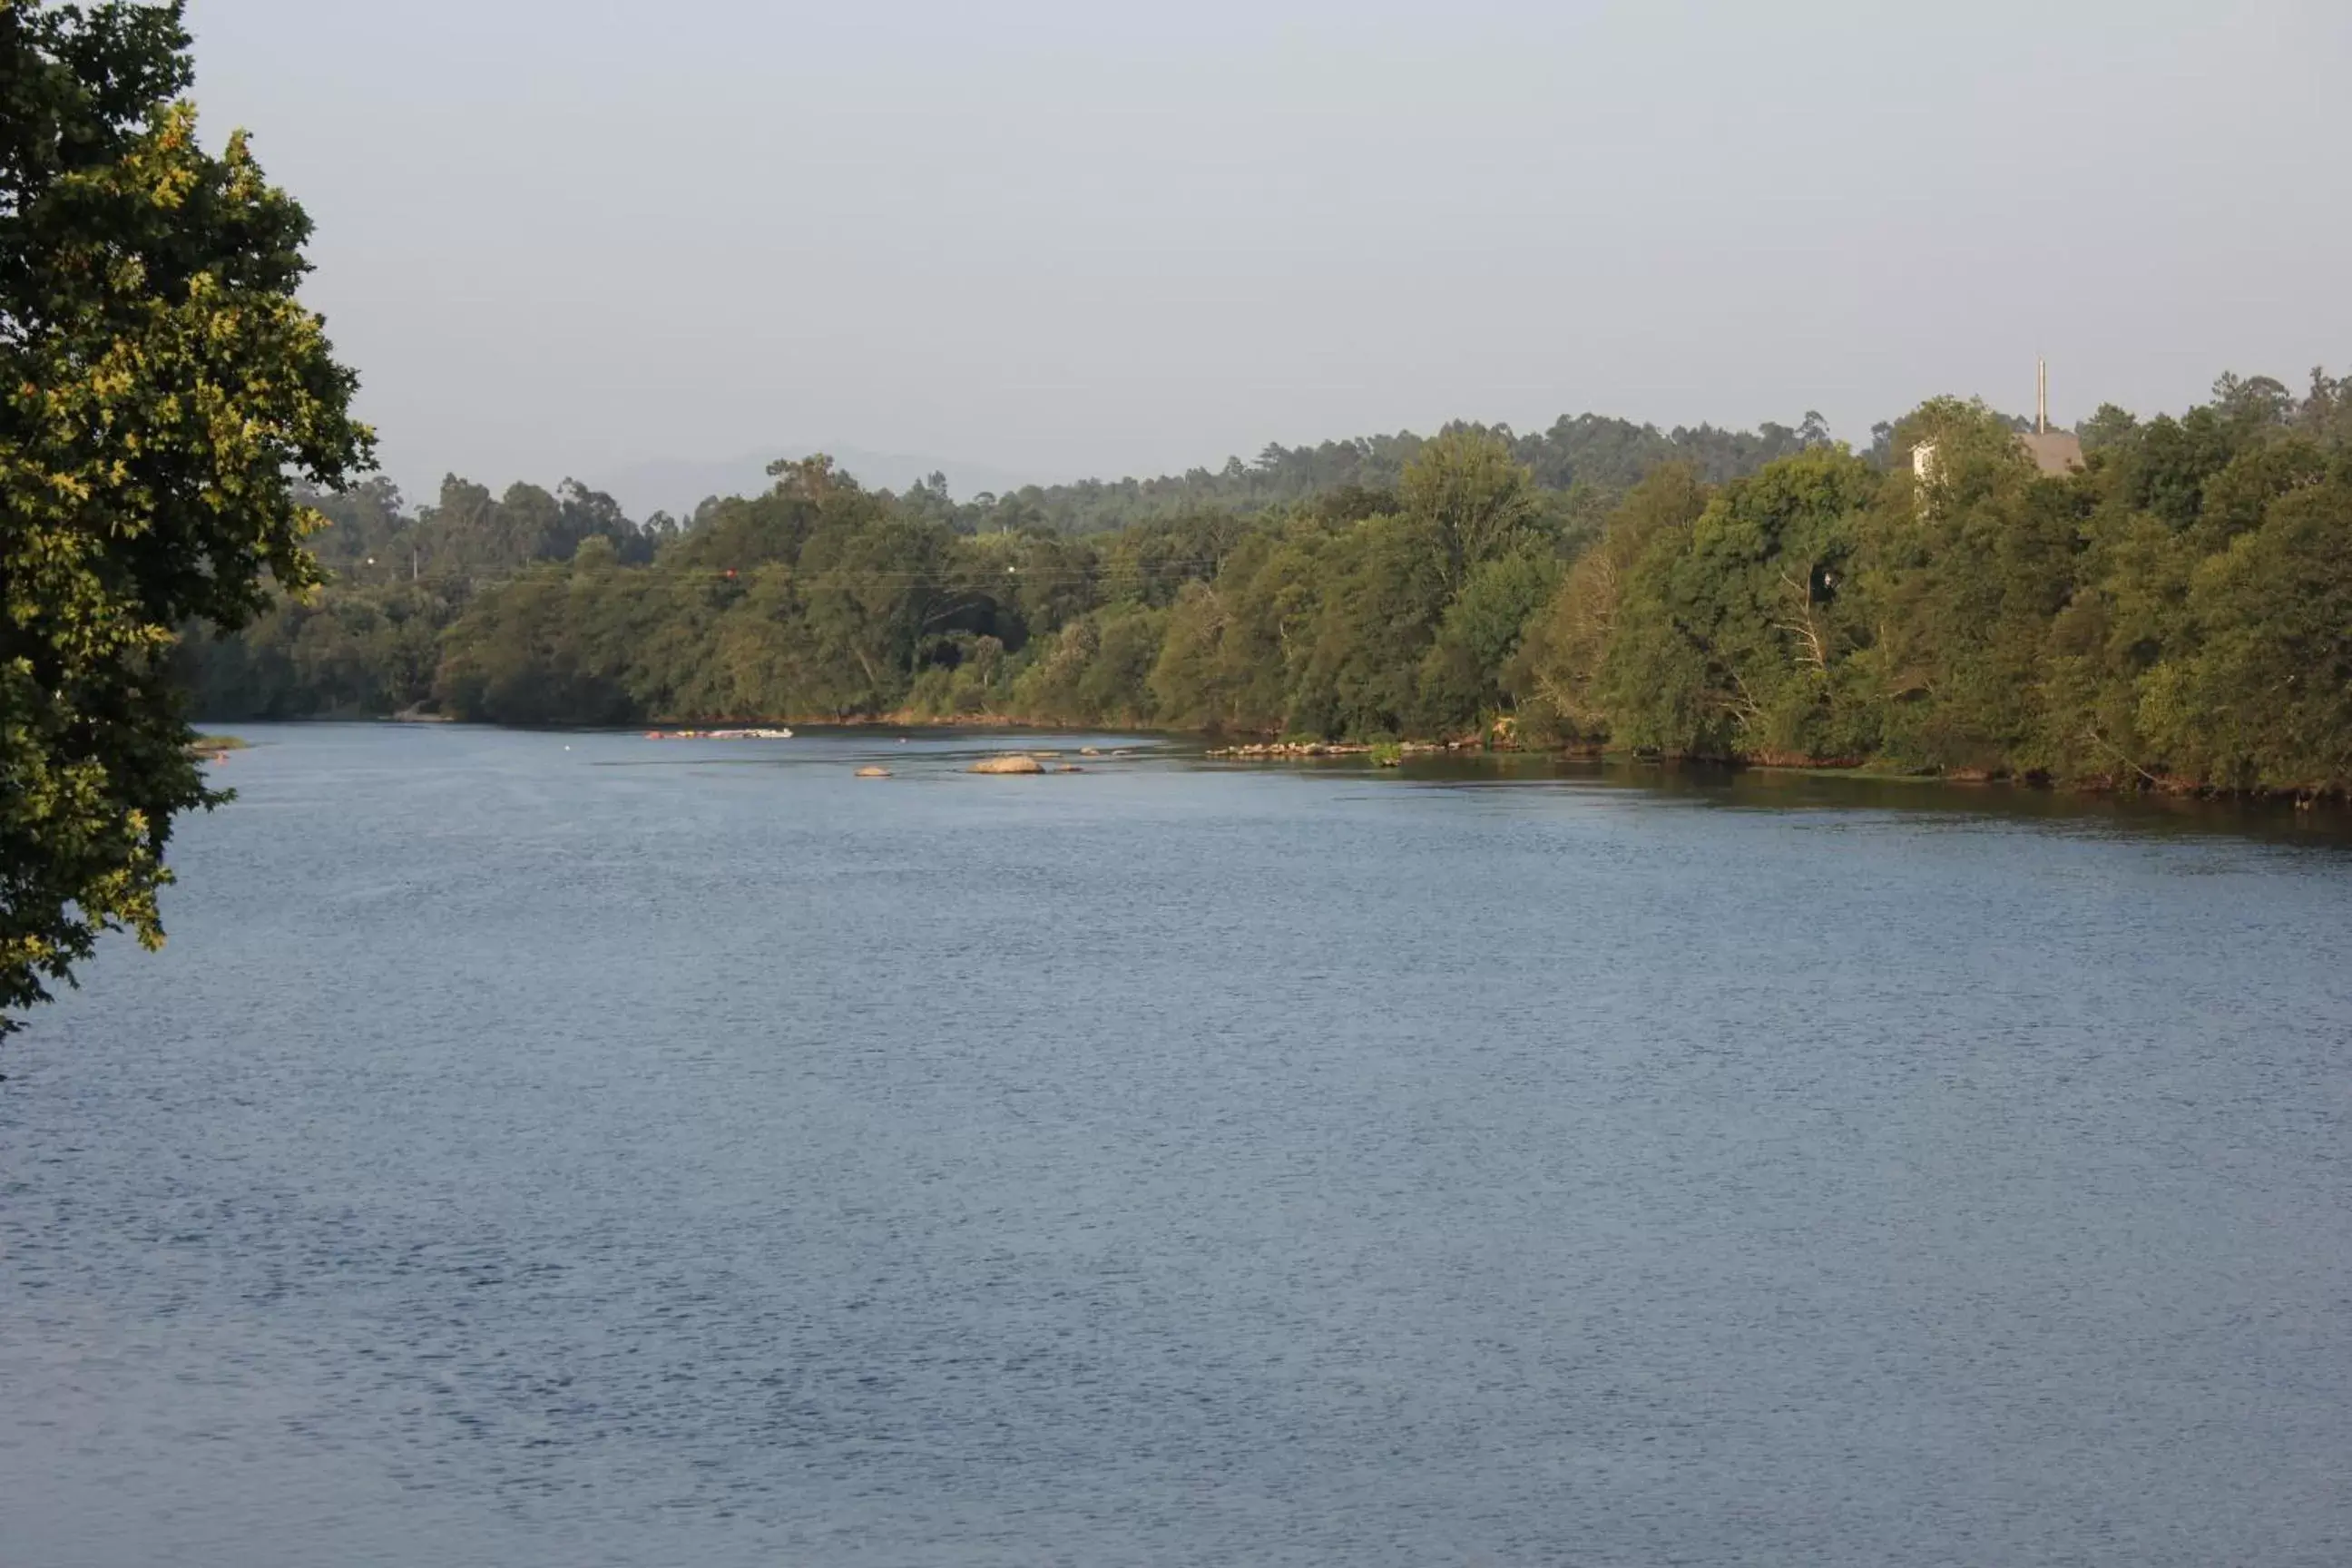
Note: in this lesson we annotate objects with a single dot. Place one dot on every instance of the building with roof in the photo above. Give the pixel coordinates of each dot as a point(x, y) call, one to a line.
point(2056, 453)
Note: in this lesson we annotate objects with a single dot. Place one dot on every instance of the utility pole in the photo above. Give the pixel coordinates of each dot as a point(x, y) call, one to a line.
point(2040, 396)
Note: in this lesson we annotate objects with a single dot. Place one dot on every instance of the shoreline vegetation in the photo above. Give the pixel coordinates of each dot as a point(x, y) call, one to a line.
point(2173, 616)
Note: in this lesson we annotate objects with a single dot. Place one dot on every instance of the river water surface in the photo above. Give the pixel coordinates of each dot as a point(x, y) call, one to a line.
point(576, 1150)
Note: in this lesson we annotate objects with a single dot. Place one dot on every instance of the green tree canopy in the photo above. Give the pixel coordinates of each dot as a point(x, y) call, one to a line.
point(2158, 617)
point(162, 393)
point(1476, 499)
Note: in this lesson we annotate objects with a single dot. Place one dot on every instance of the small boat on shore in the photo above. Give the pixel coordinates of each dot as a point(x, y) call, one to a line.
point(778, 733)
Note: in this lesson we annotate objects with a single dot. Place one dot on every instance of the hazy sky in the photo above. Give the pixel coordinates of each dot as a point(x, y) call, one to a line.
point(568, 236)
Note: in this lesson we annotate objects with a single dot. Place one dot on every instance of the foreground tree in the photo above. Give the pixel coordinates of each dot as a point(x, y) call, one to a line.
point(161, 393)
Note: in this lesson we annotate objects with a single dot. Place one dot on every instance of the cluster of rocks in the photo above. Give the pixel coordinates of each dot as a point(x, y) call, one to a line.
point(755, 733)
point(1021, 763)
point(1013, 763)
point(1280, 751)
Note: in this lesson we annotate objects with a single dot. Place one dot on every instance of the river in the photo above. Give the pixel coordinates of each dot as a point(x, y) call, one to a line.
point(540, 1149)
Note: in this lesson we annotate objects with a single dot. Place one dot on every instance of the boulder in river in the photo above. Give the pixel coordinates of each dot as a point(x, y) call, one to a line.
point(873, 773)
point(1016, 764)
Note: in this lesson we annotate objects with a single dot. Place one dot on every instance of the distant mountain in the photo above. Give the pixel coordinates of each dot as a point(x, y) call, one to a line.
point(677, 485)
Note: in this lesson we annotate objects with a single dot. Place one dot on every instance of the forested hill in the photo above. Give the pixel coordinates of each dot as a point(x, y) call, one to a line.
point(467, 531)
point(401, 572)
point(1590, 452)
point(2179, 612)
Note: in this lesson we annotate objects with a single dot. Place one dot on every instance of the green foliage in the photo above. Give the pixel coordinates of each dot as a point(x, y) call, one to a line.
point(1588, 455)
point(2174, 614)
point(1557, 676)
point(366, 653)
point(1744, 619)
point(1384, 589)
point(2265, 696)
point(1226, 662)
point(1464, 675)
point(161, 391)
point(1960, 580)
point(1097, 670)
point(2136, 621)
point(1474, 498)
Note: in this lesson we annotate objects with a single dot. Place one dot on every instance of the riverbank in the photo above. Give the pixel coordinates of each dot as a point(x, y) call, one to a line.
point(1395, 753)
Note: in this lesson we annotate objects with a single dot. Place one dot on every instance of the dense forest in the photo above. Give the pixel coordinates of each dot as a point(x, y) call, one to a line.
point(1590, 453)
point(2176, 613)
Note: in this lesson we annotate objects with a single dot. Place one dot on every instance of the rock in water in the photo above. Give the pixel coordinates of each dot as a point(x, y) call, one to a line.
point(873, 773)
point(1016, 763)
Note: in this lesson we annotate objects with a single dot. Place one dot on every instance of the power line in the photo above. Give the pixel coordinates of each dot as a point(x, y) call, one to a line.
point(958, 579)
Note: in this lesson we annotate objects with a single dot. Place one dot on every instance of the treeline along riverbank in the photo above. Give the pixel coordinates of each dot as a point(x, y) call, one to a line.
point(2175, 613)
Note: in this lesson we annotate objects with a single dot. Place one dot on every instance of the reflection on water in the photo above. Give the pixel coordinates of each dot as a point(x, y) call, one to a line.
point(1781, 789)
point(563, 1149)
